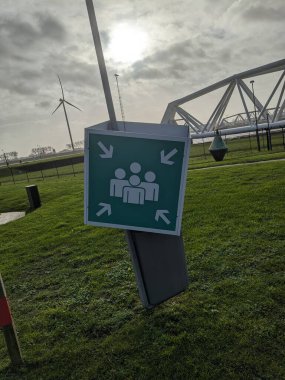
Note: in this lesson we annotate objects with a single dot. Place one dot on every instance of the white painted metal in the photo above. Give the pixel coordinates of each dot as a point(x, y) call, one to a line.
point(271, 96)
point(278, 103)
point(146, 131)
point(189, 119)
point(220, 109)
point(216, 120)
point(251, 96)
point(243, 102)
point(282, 108)
point(238, 130)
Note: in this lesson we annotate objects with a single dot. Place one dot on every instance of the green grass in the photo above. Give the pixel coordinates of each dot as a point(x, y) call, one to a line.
point(73, 294)
point(240, 151)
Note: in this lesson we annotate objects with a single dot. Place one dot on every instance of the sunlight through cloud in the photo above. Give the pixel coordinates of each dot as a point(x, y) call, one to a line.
point(128, 44)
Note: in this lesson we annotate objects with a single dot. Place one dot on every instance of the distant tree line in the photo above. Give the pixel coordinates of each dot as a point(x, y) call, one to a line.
point(42, 151)
point(77, 145)
point(9, 156)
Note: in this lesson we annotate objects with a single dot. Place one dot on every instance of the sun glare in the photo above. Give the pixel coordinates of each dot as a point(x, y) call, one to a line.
point(128, 44)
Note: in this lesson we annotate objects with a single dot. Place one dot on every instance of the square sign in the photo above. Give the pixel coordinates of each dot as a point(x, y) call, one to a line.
point(135, 177)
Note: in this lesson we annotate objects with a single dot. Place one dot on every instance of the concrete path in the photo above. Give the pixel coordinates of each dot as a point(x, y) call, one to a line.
point(7, 217)
point(237, 164)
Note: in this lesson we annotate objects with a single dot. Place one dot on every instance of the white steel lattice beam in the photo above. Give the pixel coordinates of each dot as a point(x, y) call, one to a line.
point(278, 103)
point(243, 101)
point(194, 123)
point(249, 93)
point(216, 120)
point(218, 108)
point(282, 108)
point(271, 96)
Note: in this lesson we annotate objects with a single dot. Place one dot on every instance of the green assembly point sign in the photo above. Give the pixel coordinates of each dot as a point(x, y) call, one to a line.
point(135, 181)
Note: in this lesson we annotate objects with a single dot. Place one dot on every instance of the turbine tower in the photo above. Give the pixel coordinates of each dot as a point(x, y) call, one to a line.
point(62, 102)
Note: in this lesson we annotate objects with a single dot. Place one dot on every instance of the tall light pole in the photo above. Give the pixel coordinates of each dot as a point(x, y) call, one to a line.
point(120, 100)
point(268, 133)
point(256, 126)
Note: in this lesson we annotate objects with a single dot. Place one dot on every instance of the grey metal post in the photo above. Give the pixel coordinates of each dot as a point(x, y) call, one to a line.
point(256, 126)
point(267, 132)
point(102, 66)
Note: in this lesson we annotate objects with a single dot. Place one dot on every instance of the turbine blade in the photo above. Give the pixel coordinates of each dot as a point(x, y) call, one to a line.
point(61, 86)
point(60, 103)
point(72, 105)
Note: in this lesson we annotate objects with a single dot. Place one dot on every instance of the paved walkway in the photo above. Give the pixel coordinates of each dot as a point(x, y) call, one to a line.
point(7, 217)
point(237, 164)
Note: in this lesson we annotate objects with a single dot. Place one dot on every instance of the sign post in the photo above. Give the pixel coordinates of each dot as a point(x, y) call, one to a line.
point(135, 178)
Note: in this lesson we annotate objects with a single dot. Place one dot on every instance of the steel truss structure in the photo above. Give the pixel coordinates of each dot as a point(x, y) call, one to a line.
point(242, 122)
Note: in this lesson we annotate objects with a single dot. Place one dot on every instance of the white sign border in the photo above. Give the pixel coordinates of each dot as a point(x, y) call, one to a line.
point(139, 135)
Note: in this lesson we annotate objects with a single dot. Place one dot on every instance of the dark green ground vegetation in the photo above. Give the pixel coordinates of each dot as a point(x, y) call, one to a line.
point(240, 150)
point(73, 294)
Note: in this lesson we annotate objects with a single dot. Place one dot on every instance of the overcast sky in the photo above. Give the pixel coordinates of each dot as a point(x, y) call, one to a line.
point(185, 45)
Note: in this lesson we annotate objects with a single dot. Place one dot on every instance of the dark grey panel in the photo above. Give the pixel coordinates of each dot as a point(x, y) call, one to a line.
point(33, 196)
point(161, 267)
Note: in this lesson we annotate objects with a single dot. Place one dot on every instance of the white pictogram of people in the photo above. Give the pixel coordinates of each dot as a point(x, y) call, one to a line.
point(133, 190)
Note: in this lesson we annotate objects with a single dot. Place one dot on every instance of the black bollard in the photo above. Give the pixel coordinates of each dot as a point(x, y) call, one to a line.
point(34, 196)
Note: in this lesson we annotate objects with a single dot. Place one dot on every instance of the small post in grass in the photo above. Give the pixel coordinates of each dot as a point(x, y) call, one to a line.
point(204, 147)
point(28, 179)
point(33, 196)
point(7, 324)
point(268, 134)
point(56, 169)
point(250, 142)
point(72, 167)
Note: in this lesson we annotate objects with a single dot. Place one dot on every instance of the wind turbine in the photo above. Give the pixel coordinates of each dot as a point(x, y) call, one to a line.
point(62, 102)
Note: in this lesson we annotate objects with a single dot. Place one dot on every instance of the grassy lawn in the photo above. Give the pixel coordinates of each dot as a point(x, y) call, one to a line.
point(240, 151)
point(73, 294)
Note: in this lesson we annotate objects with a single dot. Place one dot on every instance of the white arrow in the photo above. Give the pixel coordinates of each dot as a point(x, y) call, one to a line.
point(108, 153)
point(160, 214)
point(164, 158)
point(105, 207)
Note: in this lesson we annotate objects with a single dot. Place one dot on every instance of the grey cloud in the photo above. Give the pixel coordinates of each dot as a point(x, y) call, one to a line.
point(21, 80)
point(20, 86)
point(44, 104)
point(262, 13)
point(24, 33)
point(218, 33)
point(168, 62)
point(148, 73)
point(30, 74)
point(71, 70)
point(105, 37)
point(17, 32)
point(50, 27)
